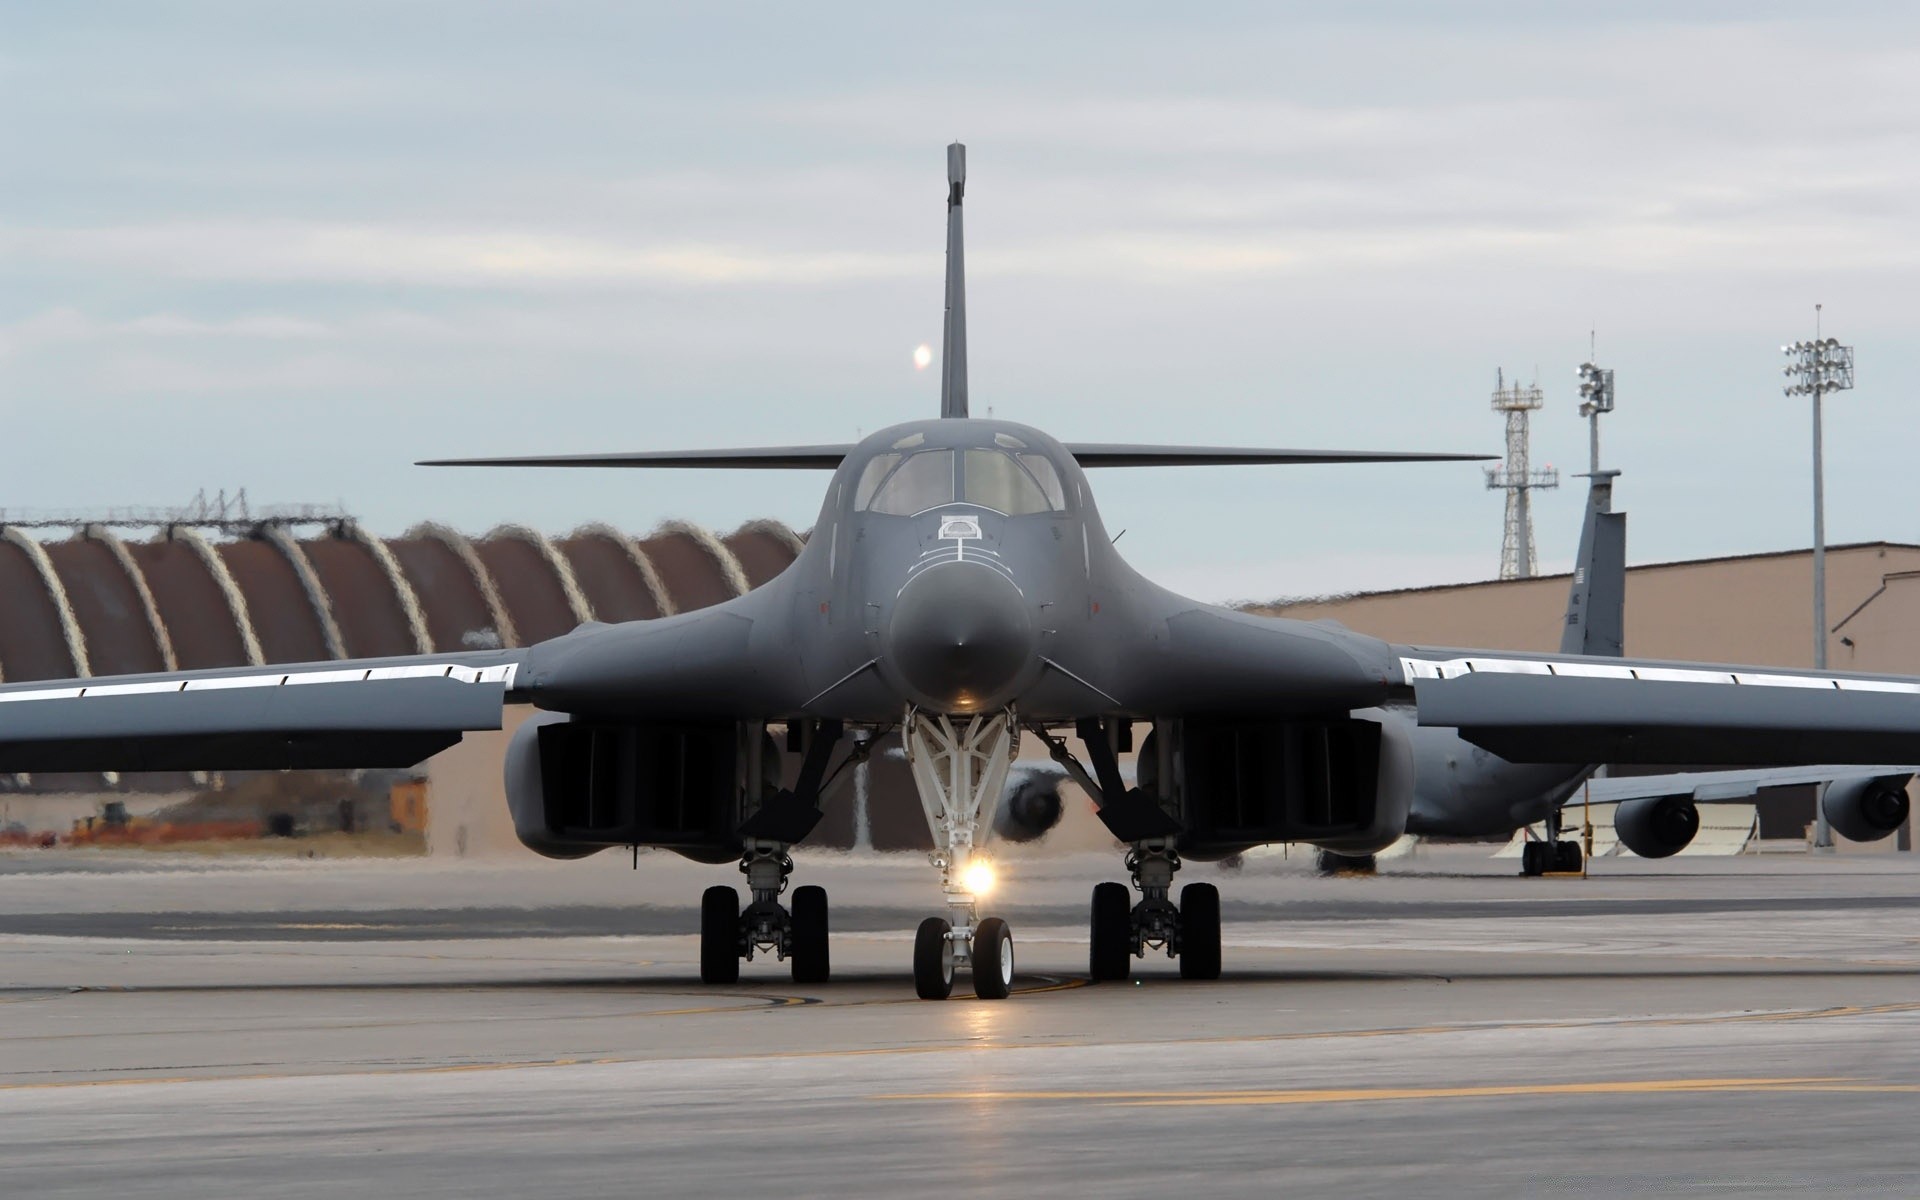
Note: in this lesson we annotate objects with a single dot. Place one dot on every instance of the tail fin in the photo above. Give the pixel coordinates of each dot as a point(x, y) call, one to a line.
point(953, 350)
point(1597, 603)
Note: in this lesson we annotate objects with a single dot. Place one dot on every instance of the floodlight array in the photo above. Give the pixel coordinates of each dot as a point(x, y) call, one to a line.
point(1596, 389)
point(1822, 365)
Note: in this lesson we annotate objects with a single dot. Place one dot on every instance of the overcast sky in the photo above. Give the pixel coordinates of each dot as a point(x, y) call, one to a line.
point(294, 247)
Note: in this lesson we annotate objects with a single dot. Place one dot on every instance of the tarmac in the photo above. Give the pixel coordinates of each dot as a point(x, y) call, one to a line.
point(195, 1027)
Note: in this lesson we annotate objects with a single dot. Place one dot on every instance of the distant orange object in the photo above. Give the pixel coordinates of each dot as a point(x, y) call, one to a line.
point(407, 804)
point(147, 833)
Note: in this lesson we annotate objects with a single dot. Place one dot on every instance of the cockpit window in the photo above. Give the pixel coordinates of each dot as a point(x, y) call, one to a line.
point(901, 487)
point(998, 480)
point(1048, 478)
point(870, 479)
point(1017, 484)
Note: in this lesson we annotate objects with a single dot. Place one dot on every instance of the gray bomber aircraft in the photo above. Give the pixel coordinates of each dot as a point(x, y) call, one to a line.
point(958, 587)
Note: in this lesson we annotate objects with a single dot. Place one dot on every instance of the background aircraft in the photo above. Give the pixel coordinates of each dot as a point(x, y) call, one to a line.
point(1459, 789)
point(1464, 790)
point(959, 586)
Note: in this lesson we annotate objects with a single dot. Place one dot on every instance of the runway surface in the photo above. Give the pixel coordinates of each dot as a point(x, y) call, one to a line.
point(205, 1027)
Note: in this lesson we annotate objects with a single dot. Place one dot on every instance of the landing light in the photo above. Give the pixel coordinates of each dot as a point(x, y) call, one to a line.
point(978, 877)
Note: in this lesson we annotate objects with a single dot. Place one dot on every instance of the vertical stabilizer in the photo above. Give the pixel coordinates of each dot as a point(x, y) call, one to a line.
point(953, 350)
point(1597, 602)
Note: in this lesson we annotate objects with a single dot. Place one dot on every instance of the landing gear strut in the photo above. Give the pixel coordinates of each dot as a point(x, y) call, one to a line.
point(1121, 931)
point(960, 769)
point(1554, 855)
point(796, 932)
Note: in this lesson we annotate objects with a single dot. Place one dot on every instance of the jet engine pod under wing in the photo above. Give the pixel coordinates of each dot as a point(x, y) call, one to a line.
point(1611, 710)
point(1866, 810)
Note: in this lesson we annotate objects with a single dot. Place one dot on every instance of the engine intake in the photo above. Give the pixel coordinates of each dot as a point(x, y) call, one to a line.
point(1866, 810)
point(1658, 826)
point(1342, 784)
point(1030, 807)
point(575, 786)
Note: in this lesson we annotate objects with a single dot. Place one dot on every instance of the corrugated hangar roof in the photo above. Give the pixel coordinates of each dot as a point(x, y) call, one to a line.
point(94, 604)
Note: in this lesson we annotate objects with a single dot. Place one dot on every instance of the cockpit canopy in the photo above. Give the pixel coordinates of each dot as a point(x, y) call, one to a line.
point(1009, 477)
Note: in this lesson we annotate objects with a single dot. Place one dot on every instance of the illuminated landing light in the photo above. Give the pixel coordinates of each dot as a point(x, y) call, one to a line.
point(922, 357)
point(978, 877)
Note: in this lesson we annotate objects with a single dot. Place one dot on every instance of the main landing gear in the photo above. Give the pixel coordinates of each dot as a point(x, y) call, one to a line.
point(796, 932)
point(1123, 930)
point(1553, 856)
point(960, 769)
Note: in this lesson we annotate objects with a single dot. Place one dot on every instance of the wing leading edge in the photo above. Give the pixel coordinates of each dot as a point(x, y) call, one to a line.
point(368, 713)
point(1713, 787)
point(1610, 710)
point(1087, 454)
point(1115, 454)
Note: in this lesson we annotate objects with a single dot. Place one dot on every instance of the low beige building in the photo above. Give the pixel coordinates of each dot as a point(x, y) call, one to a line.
point(1751, 608)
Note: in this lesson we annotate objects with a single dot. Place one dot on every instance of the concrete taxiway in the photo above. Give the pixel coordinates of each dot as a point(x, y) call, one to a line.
point(195, 1027)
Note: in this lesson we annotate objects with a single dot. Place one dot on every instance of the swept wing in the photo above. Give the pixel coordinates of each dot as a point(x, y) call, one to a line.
point(388, 712)
point(1570, 709)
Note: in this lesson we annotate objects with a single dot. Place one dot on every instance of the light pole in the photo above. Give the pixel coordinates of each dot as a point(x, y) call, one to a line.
point(1813, 369)
point(1596, 397)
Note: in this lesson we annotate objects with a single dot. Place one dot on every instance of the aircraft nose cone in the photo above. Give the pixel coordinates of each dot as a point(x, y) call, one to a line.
point(959, 636)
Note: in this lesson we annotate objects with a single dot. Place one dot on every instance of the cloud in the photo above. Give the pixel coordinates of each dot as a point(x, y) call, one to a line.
point(304, 251)
point(1263, 223)
point(64, 324)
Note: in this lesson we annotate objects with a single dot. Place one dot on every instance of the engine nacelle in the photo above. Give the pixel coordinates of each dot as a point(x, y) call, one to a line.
point(1866, 810)
point(1343, 784)
point(1657, 826)
point(576, 786)
point(1031, 805)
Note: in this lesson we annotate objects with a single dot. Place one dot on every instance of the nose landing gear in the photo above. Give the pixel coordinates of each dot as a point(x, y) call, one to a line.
point(960, 769)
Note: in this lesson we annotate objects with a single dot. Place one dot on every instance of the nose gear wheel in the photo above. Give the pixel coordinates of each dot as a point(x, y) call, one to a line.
point(959, 768)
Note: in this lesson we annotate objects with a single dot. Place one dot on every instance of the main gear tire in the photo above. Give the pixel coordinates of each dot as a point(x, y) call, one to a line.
point(1110, 948)
point(720, 935)
point(808, 932)
point(1199, 931)
point(1536, 859)
point(933, 959)
point(992, 959)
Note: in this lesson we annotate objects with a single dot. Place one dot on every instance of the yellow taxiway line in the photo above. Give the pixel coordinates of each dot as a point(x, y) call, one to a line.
point(1615, 1087)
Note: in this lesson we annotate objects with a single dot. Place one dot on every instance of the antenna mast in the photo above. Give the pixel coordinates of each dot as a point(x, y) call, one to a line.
point(1516, 478)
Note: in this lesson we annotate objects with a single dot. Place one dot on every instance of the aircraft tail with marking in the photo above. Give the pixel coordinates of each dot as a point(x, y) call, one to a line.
point(953, 347)
point(1597, 599)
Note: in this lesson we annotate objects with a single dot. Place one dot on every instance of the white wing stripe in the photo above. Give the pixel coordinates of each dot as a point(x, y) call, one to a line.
point(1455, 668)
point(502, 674)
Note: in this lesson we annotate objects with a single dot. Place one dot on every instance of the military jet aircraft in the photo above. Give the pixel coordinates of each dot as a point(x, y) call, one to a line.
point(959, 587)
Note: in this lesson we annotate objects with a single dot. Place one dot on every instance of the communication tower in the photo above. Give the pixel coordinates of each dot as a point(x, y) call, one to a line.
point(1516, 477)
